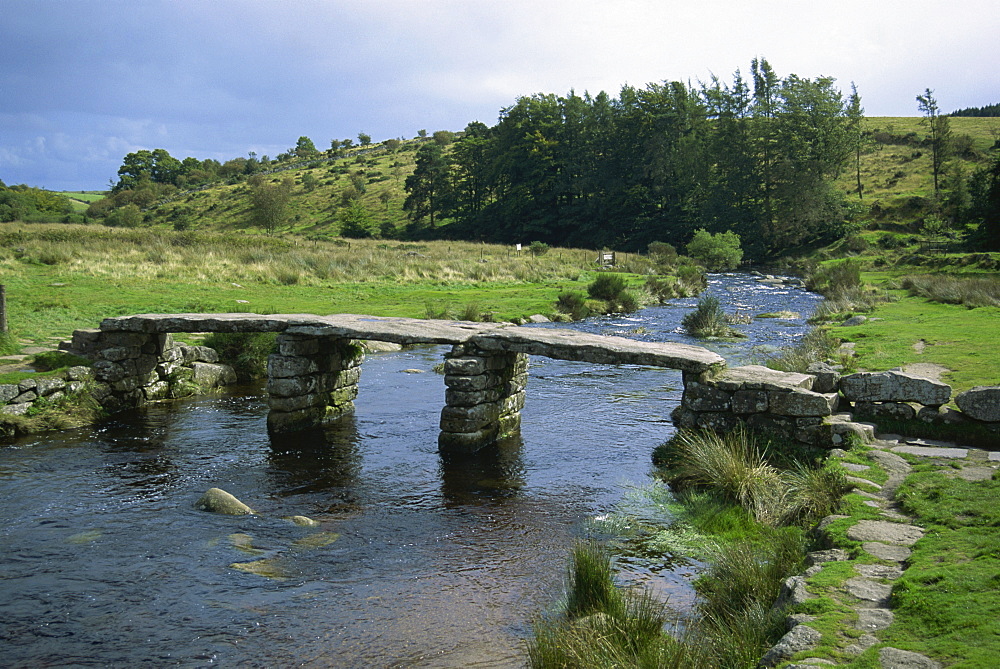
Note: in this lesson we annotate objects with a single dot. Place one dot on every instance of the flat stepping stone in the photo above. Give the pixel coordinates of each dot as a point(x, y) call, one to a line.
point(863, 643)
point(851, 467)
point(933, 451)
point(874, 620)
point(859, 481)
point(886, 551)
point(887, 571)
point(894, 658)
point(800, 638)
point(868, 590)
point(994, 456)
point(973, 473)
point(885, 531)
point(32, 350)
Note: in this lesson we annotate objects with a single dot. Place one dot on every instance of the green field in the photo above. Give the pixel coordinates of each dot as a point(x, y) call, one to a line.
point(62, 277)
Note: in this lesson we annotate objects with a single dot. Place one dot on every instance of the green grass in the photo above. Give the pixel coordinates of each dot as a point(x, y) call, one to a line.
point(947, 603)
point(914, 329)
point(62, 277)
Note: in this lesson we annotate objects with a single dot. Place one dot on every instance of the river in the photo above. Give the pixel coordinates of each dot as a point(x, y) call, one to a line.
point(418, 560)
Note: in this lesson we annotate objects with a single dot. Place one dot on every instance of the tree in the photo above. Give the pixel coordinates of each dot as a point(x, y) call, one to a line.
point(444, 137)
point(304, 148)
point(720, 251)
point(364, 139)
point(428, 187)
point(268, 202)
point(939, 129)
point(985, 208)
point(858, 138)
point(356, 222)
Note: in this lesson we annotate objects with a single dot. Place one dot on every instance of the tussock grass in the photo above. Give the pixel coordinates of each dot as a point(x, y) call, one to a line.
point(709, 320)
point(817, 345)
point(776, 487)
point(971, 292)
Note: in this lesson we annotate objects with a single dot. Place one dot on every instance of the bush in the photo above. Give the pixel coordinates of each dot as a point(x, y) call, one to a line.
point(538, 248)
point(835, 277)
point(607, 287)
point(717, 252)
point(692, 280)
point(573, 304)
point(662, 252)
point(816, 346)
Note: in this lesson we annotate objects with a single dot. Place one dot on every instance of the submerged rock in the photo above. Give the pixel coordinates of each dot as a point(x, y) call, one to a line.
point(317, 540)
point(218, 500)
point(268, 568)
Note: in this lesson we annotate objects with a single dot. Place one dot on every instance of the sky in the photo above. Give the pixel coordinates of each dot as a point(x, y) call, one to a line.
point(85, 82)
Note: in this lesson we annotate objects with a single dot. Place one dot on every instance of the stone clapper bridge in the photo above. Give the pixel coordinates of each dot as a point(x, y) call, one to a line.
point(313, 377)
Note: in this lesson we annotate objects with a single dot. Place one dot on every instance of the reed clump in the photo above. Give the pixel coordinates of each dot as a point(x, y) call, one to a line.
point(743, 503)
point(971, 292)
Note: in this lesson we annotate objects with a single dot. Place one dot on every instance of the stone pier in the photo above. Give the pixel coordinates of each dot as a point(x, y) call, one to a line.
point(311, 381)
point(313, 377)
point(483, 398)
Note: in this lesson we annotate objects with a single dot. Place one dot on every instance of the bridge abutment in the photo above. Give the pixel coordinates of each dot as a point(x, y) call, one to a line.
point(311, 381)
point(484, 396)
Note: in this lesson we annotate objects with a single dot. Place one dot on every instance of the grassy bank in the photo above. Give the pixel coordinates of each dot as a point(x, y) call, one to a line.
point(62, 277)
point(738, 505)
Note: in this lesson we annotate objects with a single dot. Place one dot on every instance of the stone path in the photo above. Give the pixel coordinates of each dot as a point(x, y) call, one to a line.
point(888, 539)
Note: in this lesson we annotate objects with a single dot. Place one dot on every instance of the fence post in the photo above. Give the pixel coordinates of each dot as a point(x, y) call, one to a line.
point(3, 309)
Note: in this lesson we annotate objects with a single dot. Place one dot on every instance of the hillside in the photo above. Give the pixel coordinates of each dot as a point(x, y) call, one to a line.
point(895, 174)
point(897, 165)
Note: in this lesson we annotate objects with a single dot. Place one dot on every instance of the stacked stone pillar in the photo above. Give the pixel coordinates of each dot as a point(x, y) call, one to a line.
point(311, 381)
point(483, 398)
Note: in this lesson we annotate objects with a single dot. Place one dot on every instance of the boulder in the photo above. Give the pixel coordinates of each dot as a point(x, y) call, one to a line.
point(209, 375)
point(799, 402)
point(802, 637)
point(981, 403)
point(827, 378)
point(894, 386)
point(218, 500)
point(758, 377)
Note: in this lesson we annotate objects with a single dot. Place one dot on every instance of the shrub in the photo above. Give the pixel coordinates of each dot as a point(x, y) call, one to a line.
point(606, 287)
point(662, 252)
point(538, 248)
point(969, 291)
point(627, 302)
point(573, 304)
point(835, 277)
point(692, 280)
point(816, 346)
point(662, 288)
point(717, 252)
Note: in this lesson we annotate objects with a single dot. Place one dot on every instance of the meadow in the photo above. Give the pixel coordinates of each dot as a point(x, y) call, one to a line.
point(62, 277)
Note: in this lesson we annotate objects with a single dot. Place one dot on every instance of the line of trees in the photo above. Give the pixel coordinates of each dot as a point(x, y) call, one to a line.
point(754, 156)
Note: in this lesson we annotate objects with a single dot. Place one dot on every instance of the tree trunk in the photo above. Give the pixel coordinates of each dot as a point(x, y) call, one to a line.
point(3, 309)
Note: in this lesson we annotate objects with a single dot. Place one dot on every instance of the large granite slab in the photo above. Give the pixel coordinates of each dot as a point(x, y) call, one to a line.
point(562, 344)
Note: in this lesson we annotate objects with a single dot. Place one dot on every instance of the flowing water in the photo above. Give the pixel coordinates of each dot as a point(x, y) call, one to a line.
point(418, 560)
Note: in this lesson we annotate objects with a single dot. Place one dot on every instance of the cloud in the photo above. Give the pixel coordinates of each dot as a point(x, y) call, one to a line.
point(218, 79)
